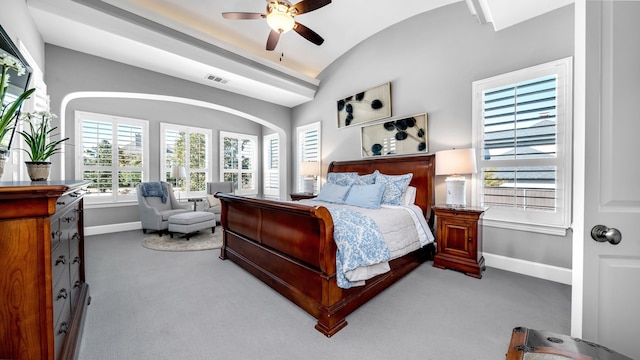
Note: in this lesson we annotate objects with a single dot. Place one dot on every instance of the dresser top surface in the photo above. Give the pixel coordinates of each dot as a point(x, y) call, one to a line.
point(55, 187)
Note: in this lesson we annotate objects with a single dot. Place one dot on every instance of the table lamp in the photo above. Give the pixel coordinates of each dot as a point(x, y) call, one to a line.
point(178, 172)
point(455, 163)
point(309, 170)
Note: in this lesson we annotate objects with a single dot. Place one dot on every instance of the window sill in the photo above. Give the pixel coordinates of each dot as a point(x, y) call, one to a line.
point(100, 205)
point(536, 228)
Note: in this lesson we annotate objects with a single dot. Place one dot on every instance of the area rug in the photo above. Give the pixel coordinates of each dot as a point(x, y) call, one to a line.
point(203, 240)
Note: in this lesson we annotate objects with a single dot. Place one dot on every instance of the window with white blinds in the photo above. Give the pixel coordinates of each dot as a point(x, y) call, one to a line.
point(239, 161)
point(271, 165)
point(113, 154)
point(308, 147)
point(185, 147)
point(522, 123)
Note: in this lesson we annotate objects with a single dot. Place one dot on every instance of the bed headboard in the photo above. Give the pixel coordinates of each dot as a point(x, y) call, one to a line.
point(422, 167)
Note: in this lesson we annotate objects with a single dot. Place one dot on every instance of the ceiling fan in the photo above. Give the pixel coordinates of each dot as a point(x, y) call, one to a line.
point(280, 14)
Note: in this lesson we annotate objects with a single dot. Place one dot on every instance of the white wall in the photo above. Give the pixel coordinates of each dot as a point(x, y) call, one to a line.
point(431, 61)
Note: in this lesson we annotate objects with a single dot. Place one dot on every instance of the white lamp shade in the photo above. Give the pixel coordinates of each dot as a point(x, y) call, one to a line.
point(309, 168)
point(456, 162)
point(179, 172)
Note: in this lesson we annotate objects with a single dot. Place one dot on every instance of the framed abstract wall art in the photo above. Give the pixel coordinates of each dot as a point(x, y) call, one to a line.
point(370, 105)
point(400, 136)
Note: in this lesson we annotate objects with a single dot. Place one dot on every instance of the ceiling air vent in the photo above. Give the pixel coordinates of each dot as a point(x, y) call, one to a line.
point(216, 79)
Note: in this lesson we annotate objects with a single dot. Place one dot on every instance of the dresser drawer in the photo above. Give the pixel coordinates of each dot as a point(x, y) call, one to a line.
point(61, 295)
point(68, 223)
point(61, 329)
point(59, 260)
point(75, 285)
point(68, 199)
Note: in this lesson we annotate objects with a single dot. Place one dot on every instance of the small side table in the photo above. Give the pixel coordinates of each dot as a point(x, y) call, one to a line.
point(459, 239)
point(301, 196)
point(195, 202)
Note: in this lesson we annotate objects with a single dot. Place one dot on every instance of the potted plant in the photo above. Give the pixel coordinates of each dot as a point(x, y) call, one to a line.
point(40, 147)
point(9, 110)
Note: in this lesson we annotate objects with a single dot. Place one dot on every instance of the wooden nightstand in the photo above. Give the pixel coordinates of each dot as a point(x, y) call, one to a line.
point(459, 239)
point(301, 196)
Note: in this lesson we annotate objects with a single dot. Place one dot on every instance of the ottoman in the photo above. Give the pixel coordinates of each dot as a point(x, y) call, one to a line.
point(189, 222)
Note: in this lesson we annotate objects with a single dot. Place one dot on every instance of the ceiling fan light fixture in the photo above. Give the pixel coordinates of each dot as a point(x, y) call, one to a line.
point(280, 22)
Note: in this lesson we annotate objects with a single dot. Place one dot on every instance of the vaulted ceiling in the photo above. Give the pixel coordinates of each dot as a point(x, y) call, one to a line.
point(190, 39)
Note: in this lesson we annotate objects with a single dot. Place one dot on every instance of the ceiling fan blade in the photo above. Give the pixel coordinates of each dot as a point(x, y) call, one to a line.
point(242, 15)
point(305, 6)
point(308, 34)
point(272, 40)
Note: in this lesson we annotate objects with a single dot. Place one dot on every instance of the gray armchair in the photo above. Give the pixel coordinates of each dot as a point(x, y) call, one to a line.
point(214, 204)
point(154, 214)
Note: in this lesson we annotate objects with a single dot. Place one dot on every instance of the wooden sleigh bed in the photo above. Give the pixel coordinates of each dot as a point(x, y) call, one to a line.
point(290, 246)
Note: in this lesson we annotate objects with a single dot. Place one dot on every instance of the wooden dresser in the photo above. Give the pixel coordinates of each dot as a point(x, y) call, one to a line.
point(43, 293)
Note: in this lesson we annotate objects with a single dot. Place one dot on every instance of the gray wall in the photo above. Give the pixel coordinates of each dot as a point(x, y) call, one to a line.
point(69, 71)
point(431, 61)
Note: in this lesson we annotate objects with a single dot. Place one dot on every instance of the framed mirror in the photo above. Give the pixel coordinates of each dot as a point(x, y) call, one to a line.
point(17, 84)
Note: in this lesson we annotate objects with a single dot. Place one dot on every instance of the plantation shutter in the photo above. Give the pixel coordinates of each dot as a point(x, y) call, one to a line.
point(520, 119)
point(112, 154)
point(309, 150)
point(522, 133)
point(271, 165)
point(520, 123)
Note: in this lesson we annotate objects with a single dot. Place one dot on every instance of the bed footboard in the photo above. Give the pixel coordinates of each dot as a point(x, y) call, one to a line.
point(290, 247)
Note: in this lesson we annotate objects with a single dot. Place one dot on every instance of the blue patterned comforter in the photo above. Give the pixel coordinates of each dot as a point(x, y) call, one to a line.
point(359, 240)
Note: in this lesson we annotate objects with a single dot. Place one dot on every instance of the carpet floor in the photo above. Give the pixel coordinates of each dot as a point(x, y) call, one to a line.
point(192, 305)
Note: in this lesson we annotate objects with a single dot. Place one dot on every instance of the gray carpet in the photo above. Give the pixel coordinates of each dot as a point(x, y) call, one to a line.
point(192, 305)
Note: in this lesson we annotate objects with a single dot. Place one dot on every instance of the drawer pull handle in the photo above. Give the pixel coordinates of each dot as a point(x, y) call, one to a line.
point(77, 284)
point(60, 203)
point(470, 239)
point(76, 260)
point(62, 294)
point(64, 328)
point(75, 236)
point(61, 260)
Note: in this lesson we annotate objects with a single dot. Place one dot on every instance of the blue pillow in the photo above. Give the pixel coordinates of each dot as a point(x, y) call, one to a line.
point(368, 196)
point(342, 178)
point(395, 187)
point(367, 179)
point(333, 193)
point(351, 178)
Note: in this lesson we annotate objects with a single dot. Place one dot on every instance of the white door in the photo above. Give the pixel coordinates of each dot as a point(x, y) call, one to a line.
point(607, 280)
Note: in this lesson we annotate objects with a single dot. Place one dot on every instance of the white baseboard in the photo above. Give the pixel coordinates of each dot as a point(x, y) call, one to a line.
point(530, 268)
point(107, 229)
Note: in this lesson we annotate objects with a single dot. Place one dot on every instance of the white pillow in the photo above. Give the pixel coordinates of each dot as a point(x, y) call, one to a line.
point(409, 197)
point(213, 201)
